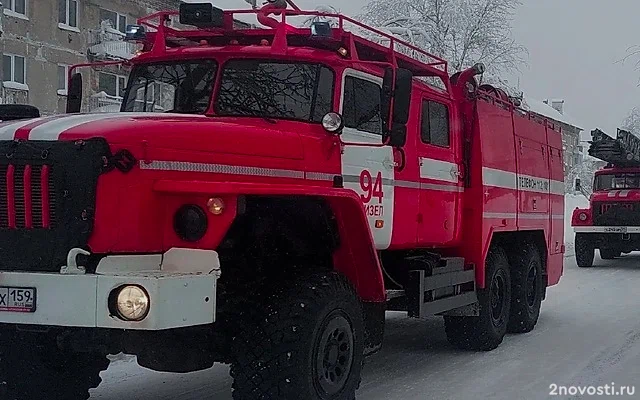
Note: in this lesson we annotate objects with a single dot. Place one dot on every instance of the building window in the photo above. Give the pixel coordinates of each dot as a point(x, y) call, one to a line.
point(68, 13)
point(361, 108)
point(15, 69)
point(112, 85)
point(435, 124)
point(118, 21)
point(15, 7)
point(63, 79)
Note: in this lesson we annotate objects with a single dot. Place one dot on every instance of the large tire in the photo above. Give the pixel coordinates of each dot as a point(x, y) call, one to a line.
point(609, 254)
point(585, 250)
point(528, 285)
point(486, 331)
point(304, 342)
point(32, 368)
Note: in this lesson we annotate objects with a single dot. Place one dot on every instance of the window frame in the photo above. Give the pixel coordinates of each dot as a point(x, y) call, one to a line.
point(428, 102)
point(10, 9)
point(357, 74)
point(65, 90)
point(13, 69)
point(118, 15)
point(118, 88)
point(66, 25)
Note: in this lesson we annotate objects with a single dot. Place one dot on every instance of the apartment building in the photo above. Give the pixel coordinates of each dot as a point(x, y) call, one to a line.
point(40, 39)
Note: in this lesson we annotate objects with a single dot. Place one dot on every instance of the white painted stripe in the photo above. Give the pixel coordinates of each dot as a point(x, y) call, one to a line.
point(499, 178)
point(184, 166)
point(530, 216)
point(407, 184)
point(8, 132)
point(511, 180)
point(438, 170)
point(557, 188)
point(52, 130)
point(606, 229)
point(441, 188)
point(490, 215)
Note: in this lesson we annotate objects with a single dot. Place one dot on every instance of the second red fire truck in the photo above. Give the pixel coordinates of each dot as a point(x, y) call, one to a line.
point(611, 224)
point(262, 198)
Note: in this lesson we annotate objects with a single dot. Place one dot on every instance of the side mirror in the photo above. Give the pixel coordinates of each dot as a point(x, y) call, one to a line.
point(11, 112)
point(578, 185)
point(74, 94)
point(395, 104)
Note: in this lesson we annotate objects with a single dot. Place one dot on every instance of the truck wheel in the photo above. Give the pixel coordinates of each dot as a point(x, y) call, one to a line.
point(527, 282)
point(486, 331)
point(305, 341)
point(609, 254)
point(585, 251)
point(32, 368)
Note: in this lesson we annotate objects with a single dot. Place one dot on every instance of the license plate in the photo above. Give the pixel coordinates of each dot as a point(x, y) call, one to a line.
point(616, 229)
point(17, 299)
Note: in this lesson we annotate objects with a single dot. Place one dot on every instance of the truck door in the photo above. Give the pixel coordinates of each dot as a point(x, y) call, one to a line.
point(440, 181)
point(368, 170)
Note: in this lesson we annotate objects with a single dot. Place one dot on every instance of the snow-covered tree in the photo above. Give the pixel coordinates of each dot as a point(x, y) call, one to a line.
point(632, 122)
point(463, 32)
point(326, 9)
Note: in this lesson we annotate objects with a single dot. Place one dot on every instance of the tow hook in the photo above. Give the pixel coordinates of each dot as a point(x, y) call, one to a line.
point(72, 267)
point(626, 237)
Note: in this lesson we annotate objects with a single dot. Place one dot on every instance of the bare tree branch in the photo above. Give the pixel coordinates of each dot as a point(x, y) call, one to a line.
point(463, 32)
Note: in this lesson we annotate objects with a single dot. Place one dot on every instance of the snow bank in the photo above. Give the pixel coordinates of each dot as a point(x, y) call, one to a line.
point(571, 201)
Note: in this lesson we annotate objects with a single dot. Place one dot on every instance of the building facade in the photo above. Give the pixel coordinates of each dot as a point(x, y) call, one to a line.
point(554, 111)
point(40, 39)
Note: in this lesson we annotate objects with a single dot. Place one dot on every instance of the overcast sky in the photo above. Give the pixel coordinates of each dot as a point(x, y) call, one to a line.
point(574, 47)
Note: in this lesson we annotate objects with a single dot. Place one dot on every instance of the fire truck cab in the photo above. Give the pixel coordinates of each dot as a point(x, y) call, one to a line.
point(264, 196)
point(611, 224)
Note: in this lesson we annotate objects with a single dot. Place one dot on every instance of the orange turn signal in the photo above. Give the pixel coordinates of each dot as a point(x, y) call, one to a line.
point(215, 205)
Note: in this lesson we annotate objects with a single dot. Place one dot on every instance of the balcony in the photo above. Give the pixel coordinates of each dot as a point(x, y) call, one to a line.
point(107, 43)
point(102, 102)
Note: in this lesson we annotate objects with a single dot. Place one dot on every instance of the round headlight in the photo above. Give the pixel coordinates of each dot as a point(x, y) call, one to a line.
point(333, 122)
point(131, 303)
point(583, 216)
point(190, 223)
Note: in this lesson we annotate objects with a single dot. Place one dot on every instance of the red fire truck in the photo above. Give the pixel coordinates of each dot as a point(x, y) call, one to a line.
point(611, 222)
point(262, 198)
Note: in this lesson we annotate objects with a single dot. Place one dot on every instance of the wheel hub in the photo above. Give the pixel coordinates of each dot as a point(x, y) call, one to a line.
point(334, 355)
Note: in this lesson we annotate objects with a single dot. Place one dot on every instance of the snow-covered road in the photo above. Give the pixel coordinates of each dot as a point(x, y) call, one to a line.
point(588, 334)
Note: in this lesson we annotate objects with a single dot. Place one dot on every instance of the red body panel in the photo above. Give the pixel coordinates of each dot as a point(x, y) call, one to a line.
point(514, 169)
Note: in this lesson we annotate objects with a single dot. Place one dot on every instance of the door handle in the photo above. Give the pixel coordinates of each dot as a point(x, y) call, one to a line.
point(388, 164)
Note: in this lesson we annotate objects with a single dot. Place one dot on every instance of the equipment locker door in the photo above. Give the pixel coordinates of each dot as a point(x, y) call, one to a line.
point(368, 170)
point(440, 181)
point(533, 183)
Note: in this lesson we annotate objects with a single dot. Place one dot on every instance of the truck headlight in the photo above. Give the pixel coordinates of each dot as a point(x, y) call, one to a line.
point(130, 303)
point(582, 216)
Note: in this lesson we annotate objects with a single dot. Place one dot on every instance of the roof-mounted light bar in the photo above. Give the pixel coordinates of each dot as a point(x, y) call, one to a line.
point(201, 15)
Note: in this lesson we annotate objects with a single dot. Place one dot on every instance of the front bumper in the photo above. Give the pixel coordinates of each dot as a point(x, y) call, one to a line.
point(181, 285)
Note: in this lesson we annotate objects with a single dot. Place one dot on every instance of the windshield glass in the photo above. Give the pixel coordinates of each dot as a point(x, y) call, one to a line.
point(272, 89)
point(617, 181)
point(171, 87)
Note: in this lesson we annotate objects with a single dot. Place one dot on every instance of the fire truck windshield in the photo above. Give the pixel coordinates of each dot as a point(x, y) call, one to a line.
point(274, 89)
point(183, 87)
point(617, 181)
